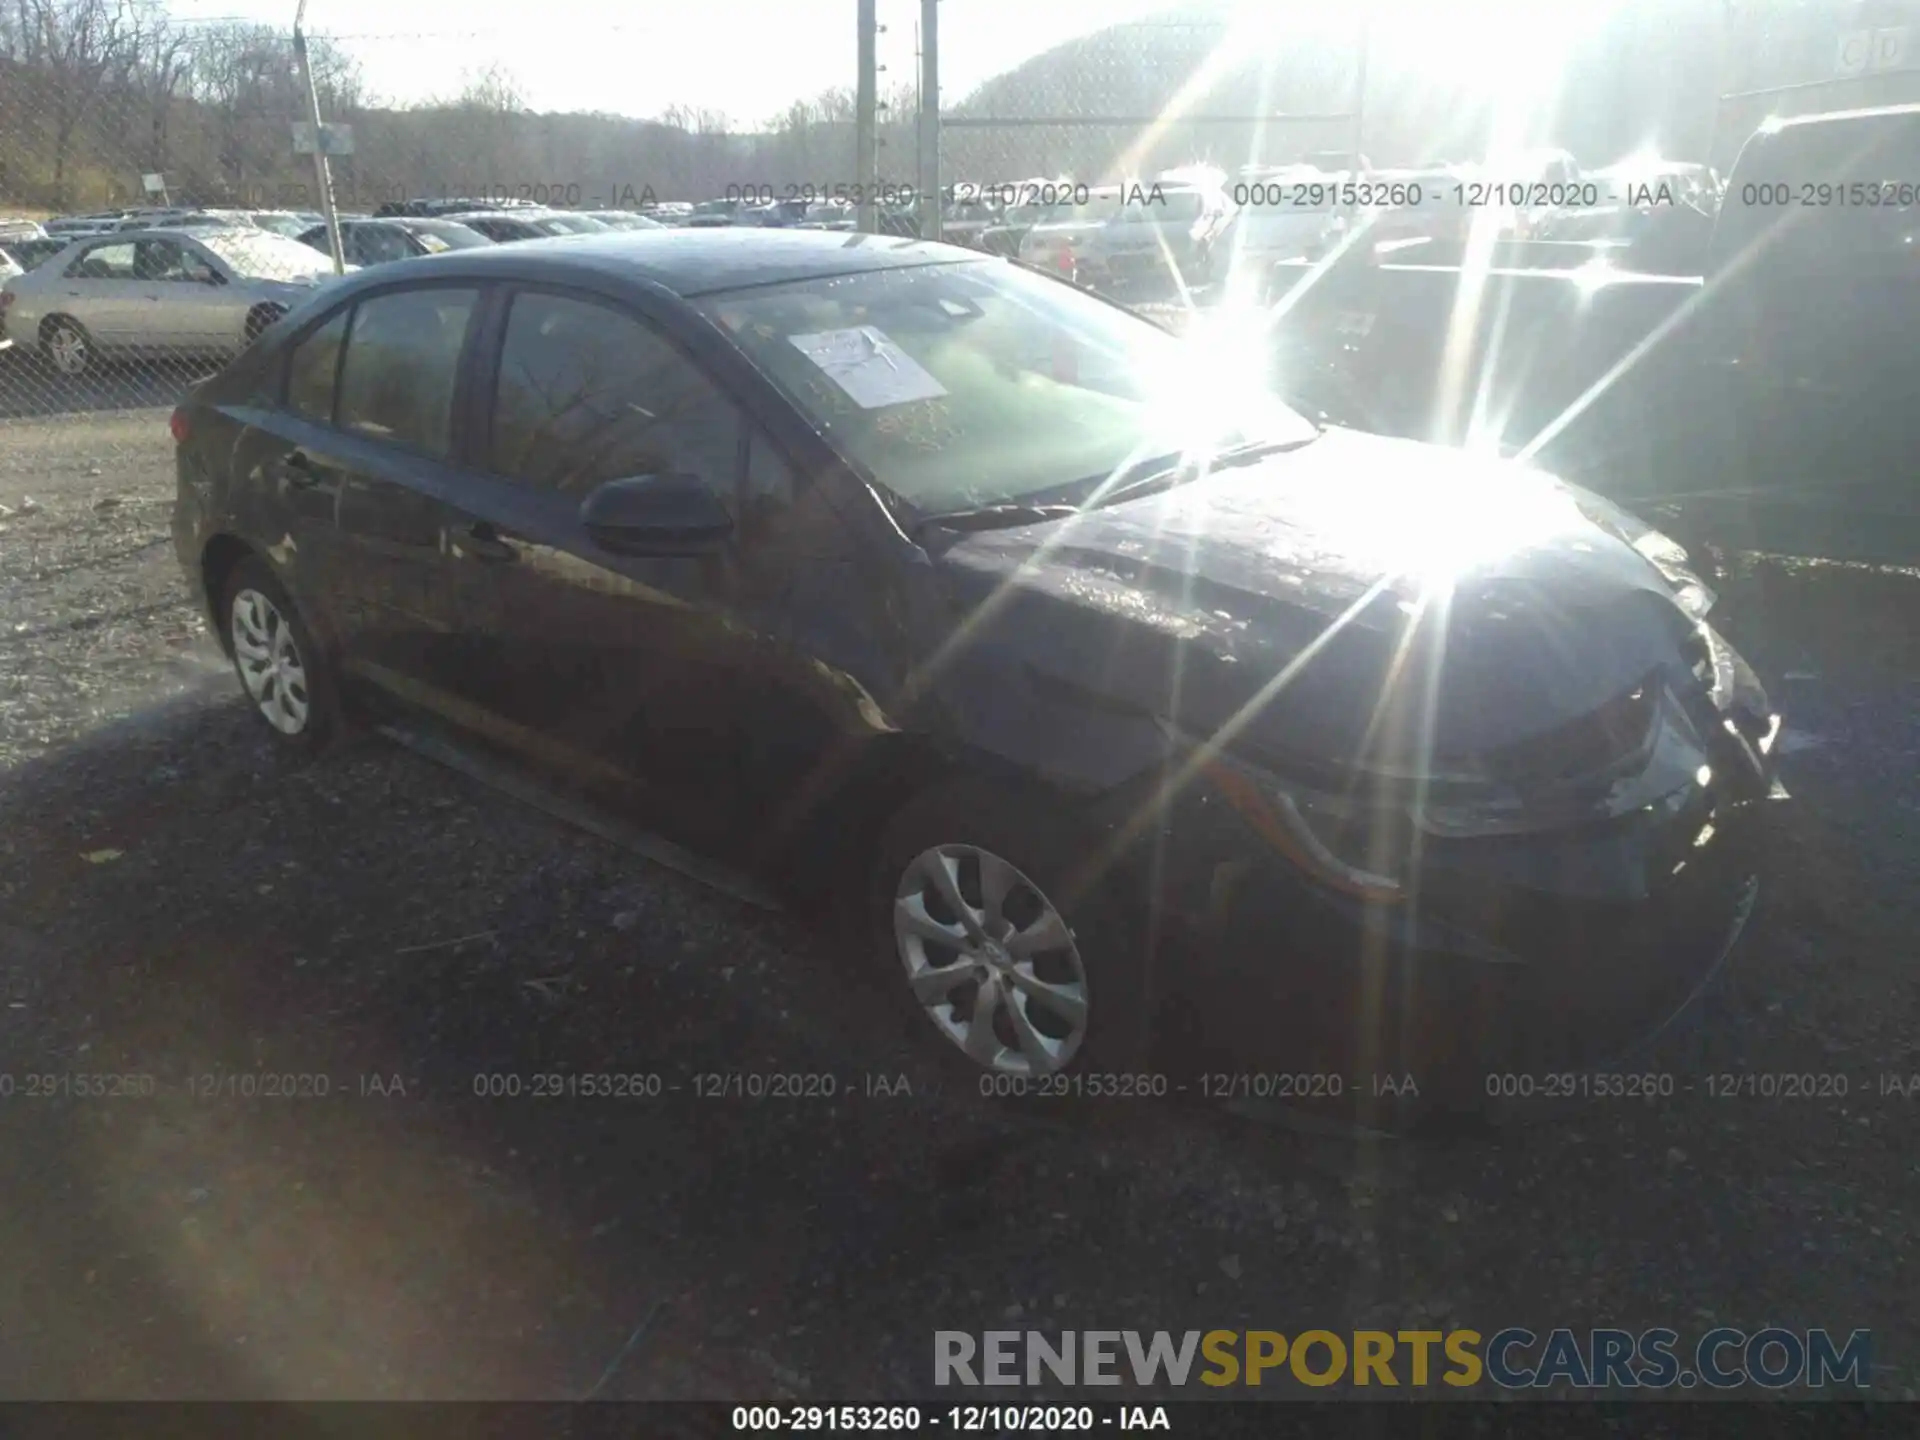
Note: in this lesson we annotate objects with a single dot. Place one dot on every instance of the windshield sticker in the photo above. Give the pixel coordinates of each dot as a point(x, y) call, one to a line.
point(873, 370)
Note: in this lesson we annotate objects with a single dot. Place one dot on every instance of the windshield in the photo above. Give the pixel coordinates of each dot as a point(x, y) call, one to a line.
point(981, 383)
point(289, 225)
point(570, 225)
point(265, 256)
point(450, 233)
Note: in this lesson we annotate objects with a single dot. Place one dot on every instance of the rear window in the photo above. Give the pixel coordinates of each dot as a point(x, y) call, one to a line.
point(312, 368)
point(403, 354)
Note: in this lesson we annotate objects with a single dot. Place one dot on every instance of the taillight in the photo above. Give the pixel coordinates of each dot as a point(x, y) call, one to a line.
point(6, 299)
point(177, 423)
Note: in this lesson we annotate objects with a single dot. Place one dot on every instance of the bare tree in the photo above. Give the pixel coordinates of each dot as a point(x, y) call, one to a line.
point(80, 47)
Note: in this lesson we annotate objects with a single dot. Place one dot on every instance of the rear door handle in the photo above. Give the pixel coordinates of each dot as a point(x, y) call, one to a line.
point(483, 542)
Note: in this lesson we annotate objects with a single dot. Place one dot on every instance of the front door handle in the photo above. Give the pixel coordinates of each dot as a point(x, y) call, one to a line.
point(483, 542)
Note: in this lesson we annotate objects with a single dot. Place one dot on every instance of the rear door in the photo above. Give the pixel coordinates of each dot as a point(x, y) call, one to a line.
point(359, 458)
point(102, 292)
point(184, 300)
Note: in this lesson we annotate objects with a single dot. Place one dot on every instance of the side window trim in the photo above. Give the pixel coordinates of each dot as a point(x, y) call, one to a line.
point(350, 309)
point(487, 373)
point(462, 362)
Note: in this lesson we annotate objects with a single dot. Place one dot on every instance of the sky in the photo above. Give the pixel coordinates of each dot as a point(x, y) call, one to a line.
point(747, 58)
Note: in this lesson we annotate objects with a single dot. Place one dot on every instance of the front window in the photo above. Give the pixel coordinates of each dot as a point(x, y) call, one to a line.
point(982, 383)
point(264, 256)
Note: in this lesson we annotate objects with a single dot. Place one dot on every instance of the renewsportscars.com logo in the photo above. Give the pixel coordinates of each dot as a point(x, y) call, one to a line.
point(1514, 1359)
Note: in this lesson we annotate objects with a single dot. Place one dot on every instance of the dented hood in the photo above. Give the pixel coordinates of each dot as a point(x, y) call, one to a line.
point(1531, 606)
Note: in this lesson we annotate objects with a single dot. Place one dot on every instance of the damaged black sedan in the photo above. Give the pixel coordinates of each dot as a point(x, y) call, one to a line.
point(1108, 691)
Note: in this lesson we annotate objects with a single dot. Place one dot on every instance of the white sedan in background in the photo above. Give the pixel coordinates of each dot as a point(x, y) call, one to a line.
point(163, 292)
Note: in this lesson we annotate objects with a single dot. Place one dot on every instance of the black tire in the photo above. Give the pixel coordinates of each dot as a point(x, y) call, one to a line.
point(1055, 858)
point(61, 332)
point(260, 317)
point(323, 724)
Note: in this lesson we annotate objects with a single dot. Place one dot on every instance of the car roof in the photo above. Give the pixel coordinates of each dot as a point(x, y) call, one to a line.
point(176, 232)
point(690, 263)
point(1842, 117)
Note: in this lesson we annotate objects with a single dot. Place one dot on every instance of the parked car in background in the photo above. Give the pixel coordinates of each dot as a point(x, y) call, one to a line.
point(178, 219)
point(29, 254)
point(1009, 700)
point(1055, 240)
point(1437, 205)
point(1282, 213)
point(830, 215)
point(291, 223)
point(159, 292)
point(1004, 235)
point(400, 237)
point(711, 213)
point(670, 212)
point(21, 229)
point(1163, 236)
point(778, 215)
point(505, 226)
point(623, 220)
point(1658, 212)
point(964, 221)
point(75, 225)
point(1529, 187)
point(449, 205)
point(1764, 402)
point(572, 222)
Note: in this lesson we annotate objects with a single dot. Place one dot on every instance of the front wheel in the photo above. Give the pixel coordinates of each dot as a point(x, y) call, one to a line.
point(285, 674)
point(67, 346)
point(1003, 938)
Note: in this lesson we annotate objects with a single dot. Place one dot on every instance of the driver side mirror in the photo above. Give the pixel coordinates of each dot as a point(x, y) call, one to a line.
point(203, 274)
point(672, 514)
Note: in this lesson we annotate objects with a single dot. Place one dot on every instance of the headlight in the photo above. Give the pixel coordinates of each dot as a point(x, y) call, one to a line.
point(1361, 850)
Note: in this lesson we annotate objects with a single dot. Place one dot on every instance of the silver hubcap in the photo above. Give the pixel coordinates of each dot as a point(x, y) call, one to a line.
point(69, 349)
point(991, 960)
point(270, 663)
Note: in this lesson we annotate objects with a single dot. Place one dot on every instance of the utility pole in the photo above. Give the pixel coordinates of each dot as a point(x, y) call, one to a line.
point(866, 107)
point(930, 119)
point(1360, 89)
point(322, 174)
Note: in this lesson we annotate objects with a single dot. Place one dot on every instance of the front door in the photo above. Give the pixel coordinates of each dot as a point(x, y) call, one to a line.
point(657, 680)
point(182, 298)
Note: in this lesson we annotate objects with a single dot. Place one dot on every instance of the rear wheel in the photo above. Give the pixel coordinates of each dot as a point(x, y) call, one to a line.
point(67, 346)
point(286, 676)
point(1005, 944)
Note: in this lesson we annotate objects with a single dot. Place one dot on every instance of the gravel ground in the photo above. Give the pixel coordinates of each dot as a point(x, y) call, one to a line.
point(177, 901)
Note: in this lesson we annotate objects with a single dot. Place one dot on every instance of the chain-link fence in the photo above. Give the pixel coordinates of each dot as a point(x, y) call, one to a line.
point(1157, 119)
point(107, 105)
point(116, 119)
